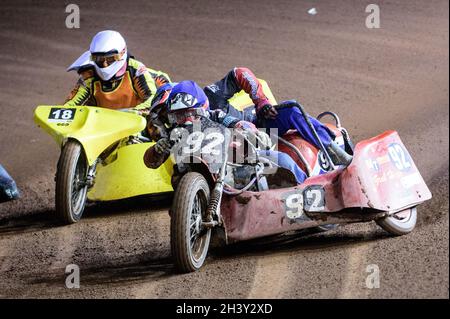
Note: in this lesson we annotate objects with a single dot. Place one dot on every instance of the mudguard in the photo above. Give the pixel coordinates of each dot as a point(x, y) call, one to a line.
point(95, 128)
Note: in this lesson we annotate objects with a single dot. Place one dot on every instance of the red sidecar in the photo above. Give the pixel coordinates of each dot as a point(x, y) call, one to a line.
point(242, 200)
point(382, 183)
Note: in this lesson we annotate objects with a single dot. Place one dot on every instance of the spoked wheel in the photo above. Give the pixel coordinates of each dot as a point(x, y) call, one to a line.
point(189, 241)
point(400, 223)
point(71, 183)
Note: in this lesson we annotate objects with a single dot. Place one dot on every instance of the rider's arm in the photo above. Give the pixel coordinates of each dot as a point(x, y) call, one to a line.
point(146, 82)
point(82, 92)
point(159, 77)
point(248, 82)
point(153, 158)
point(223, 118)
point(158, 153)
point(236, 80)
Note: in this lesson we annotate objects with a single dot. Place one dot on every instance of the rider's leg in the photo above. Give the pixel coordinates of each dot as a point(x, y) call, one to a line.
point(291, 118)
point(285, 161)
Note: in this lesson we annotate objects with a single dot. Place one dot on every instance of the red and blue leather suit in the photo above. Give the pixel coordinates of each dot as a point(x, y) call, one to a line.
point(288, 118)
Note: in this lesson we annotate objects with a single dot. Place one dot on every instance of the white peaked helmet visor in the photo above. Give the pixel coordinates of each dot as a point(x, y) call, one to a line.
point(109, 53)
point(82, 61)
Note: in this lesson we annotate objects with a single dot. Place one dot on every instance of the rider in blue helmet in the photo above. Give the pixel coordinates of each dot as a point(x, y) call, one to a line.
point(263, 114)
point(187, 103)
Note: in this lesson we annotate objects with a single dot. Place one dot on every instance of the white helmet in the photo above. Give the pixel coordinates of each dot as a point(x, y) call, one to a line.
point(109, 53)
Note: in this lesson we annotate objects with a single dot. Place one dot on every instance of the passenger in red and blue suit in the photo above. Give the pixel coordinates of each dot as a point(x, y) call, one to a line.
point(264, 115)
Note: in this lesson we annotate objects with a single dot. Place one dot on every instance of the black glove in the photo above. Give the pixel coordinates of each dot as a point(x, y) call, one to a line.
point(155, 127)
point(267, 111)
point(163, 146)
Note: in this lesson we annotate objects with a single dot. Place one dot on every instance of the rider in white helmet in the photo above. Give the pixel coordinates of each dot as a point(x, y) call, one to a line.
point(111, 78)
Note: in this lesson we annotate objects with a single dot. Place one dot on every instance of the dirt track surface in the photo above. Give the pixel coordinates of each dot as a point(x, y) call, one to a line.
point(395, 77)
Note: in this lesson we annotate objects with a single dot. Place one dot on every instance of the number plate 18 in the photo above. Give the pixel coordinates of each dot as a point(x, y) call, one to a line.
point(61, 115)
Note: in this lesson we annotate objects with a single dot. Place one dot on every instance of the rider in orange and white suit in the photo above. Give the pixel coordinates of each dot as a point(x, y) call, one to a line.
point(111, 78)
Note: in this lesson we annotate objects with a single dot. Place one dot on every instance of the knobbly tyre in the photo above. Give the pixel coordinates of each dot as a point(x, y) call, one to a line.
point(251, 199)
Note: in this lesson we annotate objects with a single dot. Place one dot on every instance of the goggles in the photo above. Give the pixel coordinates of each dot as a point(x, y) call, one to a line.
point(103, 60)
point(184, 116)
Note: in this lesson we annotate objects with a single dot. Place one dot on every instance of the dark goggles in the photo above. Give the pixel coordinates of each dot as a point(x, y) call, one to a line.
point(103, 60)
point(183, 116)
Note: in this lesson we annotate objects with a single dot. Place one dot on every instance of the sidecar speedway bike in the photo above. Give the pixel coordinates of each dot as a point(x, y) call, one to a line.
point(240, 201)
point(102, 155)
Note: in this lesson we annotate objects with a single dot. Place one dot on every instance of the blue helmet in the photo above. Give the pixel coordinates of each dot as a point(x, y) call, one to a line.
point(187, 95)
point(186, 101)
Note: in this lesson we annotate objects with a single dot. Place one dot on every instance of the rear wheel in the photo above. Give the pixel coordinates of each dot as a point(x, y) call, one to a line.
point(400, 223)
point(189, 241)
point(71, 183)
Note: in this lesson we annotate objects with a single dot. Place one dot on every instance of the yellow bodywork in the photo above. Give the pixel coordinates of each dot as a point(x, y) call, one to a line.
point(122, 174)
point(127, 176)
point(95, 128)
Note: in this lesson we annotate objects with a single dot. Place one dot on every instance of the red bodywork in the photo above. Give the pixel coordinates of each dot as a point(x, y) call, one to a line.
point(381, 178)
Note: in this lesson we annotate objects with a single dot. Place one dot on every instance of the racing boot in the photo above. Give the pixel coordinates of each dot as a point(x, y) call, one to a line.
point(338, 155)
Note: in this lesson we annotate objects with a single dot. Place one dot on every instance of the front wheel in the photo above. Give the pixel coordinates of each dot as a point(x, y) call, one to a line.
point(400, 223)
point(189, 240)
point(71, 183)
